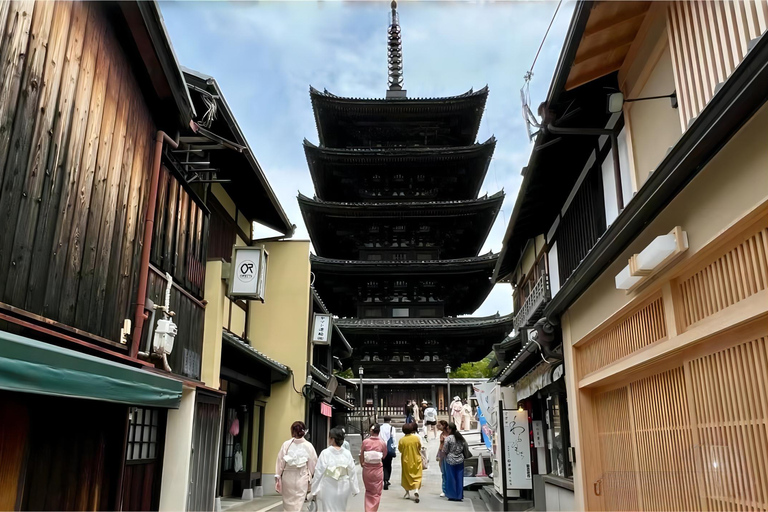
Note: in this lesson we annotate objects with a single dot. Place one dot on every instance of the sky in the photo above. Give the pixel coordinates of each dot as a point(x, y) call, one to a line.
point(265, 55)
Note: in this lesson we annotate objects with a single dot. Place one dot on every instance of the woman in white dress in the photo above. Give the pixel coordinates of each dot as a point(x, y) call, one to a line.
point(335, 477)
point(294, 468)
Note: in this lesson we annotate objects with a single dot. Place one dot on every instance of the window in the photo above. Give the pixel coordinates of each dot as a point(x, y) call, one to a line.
point(142, 434)
point(400, 313)
point(373, 312)
point(554, 271)
point(558, 435)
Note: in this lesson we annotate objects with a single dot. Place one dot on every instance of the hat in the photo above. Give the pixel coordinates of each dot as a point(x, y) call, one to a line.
point(456, 398)
point(423, 401)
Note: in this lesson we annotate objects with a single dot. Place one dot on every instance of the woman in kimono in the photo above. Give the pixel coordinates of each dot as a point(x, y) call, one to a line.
point(410, 447)
point(372, 453)
point(455, 409)
point(453, 457)
point(294, 468)
point(466, 415)
point(335, 478)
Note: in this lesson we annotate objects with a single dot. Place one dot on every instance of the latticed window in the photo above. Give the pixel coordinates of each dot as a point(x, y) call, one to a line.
point(142, 434)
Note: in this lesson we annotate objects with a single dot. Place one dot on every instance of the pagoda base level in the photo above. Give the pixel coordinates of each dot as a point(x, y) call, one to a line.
point(391, 395)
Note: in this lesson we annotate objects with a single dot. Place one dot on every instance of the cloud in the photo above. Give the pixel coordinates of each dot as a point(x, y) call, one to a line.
point(265, 55)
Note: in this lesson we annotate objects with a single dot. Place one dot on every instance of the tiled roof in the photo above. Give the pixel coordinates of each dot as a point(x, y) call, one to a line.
point(319, 373)
point(402, 151)
point(409, 323)
point(244, 345)
point(406, 263)
point(399, 204)
point(470, 93)
point(343, 402)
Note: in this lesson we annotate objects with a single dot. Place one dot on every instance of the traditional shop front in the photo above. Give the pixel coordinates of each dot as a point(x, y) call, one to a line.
point(79, 432)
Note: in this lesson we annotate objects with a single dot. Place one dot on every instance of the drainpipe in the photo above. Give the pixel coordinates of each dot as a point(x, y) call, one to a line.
point(149, 224)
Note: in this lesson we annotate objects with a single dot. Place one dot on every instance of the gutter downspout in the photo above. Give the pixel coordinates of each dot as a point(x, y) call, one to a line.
point(149, 225)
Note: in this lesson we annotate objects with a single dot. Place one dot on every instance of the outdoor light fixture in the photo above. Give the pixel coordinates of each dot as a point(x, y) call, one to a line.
point(447, 369)
point(360, 371)
point(616, 101)
point(662, 251)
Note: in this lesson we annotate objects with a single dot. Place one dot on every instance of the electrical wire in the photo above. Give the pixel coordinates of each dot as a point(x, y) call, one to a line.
point(530, 71)
point(293, 385)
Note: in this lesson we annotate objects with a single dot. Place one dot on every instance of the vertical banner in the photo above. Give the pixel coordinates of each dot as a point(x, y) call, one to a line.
point(486, 402)
point(517, 449)
point(485, 429)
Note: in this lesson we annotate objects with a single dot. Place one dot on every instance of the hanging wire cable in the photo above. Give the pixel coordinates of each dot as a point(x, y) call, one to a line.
point(530, 71)
point(525, 96)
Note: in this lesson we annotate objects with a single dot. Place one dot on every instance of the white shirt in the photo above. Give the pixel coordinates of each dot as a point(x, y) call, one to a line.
point(386, 432)
point(430, 414)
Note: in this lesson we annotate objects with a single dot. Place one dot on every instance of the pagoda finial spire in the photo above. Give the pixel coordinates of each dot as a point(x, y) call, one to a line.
point(395, 56)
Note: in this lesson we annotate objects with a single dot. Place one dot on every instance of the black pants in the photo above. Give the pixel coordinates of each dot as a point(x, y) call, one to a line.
point(387, 463)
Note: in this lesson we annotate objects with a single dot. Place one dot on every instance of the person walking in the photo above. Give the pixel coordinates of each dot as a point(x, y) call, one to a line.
point(453, 453)
point(335, 478)
point(387, 435)
point(416, 412)
point(466, 415)
point(408, 412)
point(372, 453)
point(442, 426)
point(455, 410)
point(294, 468)
point(430, 422)
point(410, 448)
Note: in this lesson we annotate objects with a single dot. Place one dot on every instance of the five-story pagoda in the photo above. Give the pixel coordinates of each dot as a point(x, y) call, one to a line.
point(397, 226)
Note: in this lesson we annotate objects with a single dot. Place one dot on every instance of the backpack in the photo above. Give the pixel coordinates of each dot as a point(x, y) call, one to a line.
point(391, 451)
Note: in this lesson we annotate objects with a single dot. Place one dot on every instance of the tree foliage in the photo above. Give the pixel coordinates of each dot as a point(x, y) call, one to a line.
point(346, 374)
point(476, 370)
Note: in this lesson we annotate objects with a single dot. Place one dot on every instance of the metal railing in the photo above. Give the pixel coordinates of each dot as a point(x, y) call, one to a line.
point(539, 295)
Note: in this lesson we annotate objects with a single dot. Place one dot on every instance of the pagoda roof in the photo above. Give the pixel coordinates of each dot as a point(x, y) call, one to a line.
point(367, 122)
point(418, 337)
point(459, 265)
point(460, 285)
point(334, 169)
point(459, 228)
point(420, 324)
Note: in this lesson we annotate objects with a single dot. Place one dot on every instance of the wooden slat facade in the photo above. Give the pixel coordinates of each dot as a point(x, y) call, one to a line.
point(75, 158)
point(708, 39)
point(640, 328)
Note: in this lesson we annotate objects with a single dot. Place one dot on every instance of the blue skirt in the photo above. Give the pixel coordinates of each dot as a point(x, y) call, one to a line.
point(454, 481)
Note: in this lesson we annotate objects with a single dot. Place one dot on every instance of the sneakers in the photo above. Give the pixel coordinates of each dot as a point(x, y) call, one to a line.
point(442, 495)
point(407, 495)
point(386, 486)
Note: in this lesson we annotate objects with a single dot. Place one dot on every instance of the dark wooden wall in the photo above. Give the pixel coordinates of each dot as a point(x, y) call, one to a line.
point(75, 156)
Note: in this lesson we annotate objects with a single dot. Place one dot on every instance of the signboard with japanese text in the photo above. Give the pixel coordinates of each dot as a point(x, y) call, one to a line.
point(517, 450)
point(538, 433)
point(321, 329)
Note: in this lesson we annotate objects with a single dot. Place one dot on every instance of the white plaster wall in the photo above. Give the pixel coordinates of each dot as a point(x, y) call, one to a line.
point(178, 449)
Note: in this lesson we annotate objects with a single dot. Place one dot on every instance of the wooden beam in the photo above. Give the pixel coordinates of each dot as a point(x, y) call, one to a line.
point(630, 12)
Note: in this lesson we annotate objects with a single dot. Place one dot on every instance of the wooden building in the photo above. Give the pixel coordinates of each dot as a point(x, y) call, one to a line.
point(397, 226)
point(653, 242)
point(110, 180)
point(85, 89)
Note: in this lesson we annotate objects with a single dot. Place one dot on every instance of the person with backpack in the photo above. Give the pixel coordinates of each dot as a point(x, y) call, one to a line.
point(455, 451)
point(387, 434)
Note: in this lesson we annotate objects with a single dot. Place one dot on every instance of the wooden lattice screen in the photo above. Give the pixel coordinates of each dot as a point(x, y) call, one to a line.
point(740, 272)
point(708, 40)
point(639, 329)
point(692, 437)
point(730, 395)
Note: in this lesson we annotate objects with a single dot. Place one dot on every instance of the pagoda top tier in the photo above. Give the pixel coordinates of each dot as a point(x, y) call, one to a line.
point(397, 122)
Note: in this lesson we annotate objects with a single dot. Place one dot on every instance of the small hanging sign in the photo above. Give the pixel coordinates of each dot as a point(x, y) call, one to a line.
point(321, 329)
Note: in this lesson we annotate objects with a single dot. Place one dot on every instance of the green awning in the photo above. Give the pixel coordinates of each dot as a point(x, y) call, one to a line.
point(31, 366)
